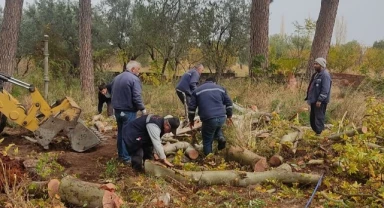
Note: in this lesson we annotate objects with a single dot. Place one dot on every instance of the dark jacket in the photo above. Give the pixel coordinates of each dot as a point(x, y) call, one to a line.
point(319, 88)
point(103, 99)
point(135, 134)
point(126, 92)
point(212, 101)
point(188, 81)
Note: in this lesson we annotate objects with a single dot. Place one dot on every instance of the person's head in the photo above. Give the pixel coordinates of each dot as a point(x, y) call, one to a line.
point(171, 124)
point(134, 67)
point(211, 79)
point(199, 68)
point(320, 63)
point(103, 89)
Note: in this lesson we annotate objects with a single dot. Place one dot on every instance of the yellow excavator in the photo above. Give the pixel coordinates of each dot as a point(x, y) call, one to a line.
point(46, 121)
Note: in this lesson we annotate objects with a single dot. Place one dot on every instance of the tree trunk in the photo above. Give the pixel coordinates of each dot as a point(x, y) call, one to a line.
point(259, 33)
point(164, 66)
point(85, 37)
point(323, 34)
point(230, 177)
point(9, 36)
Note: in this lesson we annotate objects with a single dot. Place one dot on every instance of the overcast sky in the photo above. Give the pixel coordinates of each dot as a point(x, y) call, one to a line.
point(364, 18)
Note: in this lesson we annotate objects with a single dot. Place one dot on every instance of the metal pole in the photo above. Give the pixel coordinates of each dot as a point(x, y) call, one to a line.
point(46, 76)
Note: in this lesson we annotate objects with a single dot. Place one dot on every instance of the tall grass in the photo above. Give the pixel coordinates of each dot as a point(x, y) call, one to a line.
point(267, 96)
point(17, 193)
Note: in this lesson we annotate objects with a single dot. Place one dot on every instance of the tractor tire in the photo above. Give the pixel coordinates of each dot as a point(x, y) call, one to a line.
point(3, 122)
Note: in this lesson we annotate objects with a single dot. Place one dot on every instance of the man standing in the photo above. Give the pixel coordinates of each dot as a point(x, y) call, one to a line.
point(214, 107)
point(187, 84)
point(126, 101)
point(144, 134)
point(318, 94)
point(105, 97)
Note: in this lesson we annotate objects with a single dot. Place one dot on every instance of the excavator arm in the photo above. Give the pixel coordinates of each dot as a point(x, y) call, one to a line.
point(46, 121)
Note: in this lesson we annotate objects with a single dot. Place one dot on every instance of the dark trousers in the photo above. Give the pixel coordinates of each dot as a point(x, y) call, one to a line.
point(109, 109)
point(185, 99)
point(139, 155)
point(317, 117)
point(123, 117)
point(210, 130)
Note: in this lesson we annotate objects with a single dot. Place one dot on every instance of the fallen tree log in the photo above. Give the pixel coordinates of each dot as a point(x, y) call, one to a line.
point(250, 112)
point(242, 156)
point(188, 149)
point(230, 177)
point(81, 193)
point(350, 133)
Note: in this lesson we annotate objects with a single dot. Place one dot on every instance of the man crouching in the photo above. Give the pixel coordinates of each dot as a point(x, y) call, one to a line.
point(143, 134)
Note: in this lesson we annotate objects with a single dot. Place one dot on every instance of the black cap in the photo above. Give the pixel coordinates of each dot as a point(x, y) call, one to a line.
point(174, 123)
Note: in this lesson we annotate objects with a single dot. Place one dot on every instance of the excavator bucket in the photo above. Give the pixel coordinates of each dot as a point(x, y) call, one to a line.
point(44, 120)
point(67, 120)
point(82, 138)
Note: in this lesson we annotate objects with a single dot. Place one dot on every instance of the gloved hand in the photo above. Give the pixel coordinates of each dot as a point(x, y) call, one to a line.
point(144, 112)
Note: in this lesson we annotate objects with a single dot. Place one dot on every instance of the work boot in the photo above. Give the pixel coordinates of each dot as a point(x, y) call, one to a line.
point(221, 143)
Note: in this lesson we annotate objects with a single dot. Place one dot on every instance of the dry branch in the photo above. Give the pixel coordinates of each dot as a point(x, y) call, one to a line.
point(230, 177)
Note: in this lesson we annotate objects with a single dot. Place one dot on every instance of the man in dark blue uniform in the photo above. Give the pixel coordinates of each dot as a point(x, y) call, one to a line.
point(143, 134)
point(187, 84)
point(215, 107)
point(318, 94)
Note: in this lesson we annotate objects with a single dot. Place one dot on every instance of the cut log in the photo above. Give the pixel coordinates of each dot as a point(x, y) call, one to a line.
point(261, 165)
point(100, 126)
point(188, 149)
point(276, 160)
point(229, 177)
point(242, 156)
point(81, 193)
point(350, 133)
